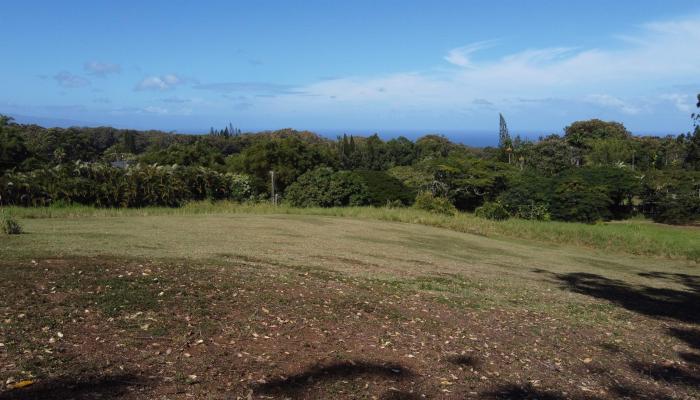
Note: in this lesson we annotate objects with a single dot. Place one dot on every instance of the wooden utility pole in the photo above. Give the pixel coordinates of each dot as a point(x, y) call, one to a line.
point(274, 198)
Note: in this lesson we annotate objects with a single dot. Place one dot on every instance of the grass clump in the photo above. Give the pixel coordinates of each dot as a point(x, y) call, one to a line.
point(492, 210)
point(9, 225)
point(127, 295)
point(439, 205)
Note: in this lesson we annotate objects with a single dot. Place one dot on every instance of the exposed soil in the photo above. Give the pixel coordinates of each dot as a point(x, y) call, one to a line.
point(88, 328)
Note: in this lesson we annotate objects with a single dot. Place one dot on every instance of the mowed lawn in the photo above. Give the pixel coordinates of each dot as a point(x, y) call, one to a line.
point(300, 306)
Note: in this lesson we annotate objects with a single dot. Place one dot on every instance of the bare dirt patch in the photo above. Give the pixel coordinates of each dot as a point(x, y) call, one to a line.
point(94, 328)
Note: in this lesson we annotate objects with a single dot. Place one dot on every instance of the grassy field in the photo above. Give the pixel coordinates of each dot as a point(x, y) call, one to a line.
point(229, 301)
point(634, 236)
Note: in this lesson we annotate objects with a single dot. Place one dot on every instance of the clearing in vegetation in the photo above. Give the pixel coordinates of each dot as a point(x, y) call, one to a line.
point(226, 305)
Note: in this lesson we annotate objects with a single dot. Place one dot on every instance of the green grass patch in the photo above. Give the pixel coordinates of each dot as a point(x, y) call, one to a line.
point(128, 295)
point(638, 237)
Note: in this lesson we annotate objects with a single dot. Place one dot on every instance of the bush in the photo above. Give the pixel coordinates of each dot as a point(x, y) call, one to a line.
point(383, 188)
point(394, 204)
point(439, 205)
point(620, 185)
point(580, 194)
point(677, 209)
point(574, 200)
point(324, 188)
point(492, 210)
point(524, 192)
point(533, 211)
point(411, 177)
point(671, 197)
point(10, 225)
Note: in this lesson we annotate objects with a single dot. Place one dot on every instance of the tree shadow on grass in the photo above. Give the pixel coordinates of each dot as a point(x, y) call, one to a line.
point(692, 338)
point(103, 387)
point(677, 304)
point(674, 375)
point(295, 385)
point(463, 360)
point(400, 395)
point(528, 392)
point(689, 336)
point(525, 392)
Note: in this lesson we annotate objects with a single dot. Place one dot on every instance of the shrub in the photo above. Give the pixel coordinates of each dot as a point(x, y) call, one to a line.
point(9, 225)
point(574, 200)
point(492, 210)
point(526, 190)
point(579, 194)
point(533, 211)
point(411, 177)
point(383, 188)
point(324, 188)
point(677, 209)
point(394, 204)
point(620, 185)
point(439, 205)
point(671, 197)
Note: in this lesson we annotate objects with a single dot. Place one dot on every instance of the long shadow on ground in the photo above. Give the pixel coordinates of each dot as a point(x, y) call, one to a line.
point(103, 387)
point(527, 392)
point(680, 305)
point(295, 385)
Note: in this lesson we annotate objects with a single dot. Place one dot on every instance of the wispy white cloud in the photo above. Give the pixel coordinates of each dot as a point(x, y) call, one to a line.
point(482, 103)
point(155, 110)
point(616, 78)
point(682, 101)
point(149, 110)
point(101, 69)
point(461, 56)
point(160, 83)
point(248, 87)
point(616, 103)
point(176, 100)
point(102, 100)
point(69, 80)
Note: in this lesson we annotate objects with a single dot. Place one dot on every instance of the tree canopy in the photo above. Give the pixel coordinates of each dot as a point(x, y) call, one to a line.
point(596, 170)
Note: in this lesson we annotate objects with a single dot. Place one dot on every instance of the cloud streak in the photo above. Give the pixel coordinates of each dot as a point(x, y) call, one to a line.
point(615, 79)
point(461, 56)
point(71, 81)
point(682, 102)
point(159, 83)
point(101, 69)
point(248, 87)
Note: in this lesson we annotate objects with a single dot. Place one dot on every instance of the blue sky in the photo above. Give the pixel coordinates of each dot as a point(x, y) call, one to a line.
point(376, 65)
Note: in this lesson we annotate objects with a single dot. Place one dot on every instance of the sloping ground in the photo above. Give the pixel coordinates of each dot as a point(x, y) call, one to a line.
point(372, 248)
point(316, 307)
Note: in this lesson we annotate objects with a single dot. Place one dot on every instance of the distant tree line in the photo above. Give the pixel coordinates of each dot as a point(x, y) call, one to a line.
point(105, 186)
point(596, 170)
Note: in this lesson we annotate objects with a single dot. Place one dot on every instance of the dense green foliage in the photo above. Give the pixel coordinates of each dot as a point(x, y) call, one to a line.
point(106, 186)
point(573, 200)
point(672, 196)
point(426, 201)
point(324, 188)
point(9, 225)
point(595, 171)
point(492, 210)
point(289, 157)
point(383, 189)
